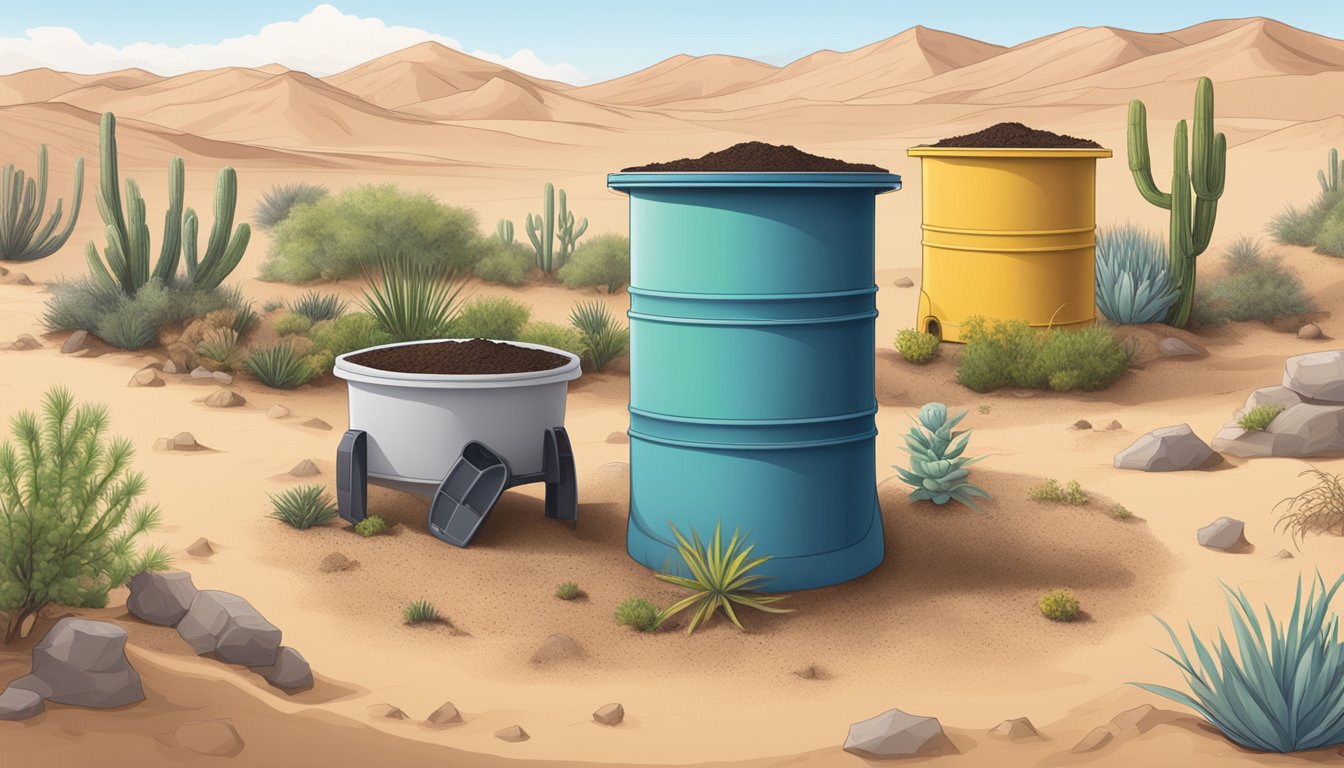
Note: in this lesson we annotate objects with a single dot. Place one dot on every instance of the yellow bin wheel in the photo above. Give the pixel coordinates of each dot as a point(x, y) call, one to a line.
point(1009, 234)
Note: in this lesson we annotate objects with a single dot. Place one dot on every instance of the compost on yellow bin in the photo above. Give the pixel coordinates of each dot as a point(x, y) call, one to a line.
point(1009, 234)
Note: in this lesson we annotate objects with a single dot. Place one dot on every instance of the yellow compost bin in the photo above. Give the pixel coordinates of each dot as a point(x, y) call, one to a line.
point(1009, 234)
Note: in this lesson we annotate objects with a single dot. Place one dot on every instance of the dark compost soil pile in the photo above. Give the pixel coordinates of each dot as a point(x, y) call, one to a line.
point(478, 356)
point(1017, 136)
point(761, 157)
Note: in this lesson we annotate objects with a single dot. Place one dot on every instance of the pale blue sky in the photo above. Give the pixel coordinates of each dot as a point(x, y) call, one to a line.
point(580, 40)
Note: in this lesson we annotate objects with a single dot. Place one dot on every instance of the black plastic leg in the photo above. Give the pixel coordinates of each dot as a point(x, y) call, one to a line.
point(352, 476)
point(562, 487)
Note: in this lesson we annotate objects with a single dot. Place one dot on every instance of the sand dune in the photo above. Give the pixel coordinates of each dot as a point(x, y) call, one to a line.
point(679, 78)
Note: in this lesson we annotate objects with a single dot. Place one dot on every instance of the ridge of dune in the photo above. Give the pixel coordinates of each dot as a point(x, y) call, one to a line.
point(679, 78)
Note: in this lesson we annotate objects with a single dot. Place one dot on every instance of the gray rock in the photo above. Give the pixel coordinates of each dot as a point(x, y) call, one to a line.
point(170, 367)
point(160, 598)
point(217, 738)
point(1309, 331)
point(185, 441)
point(513, 733)
point(84, 663)
point(1317, 376)
point(222, 377)
point(21, 279)
point(145, 377)
point(444, 715)
point(224, 398)
point(1082, 424)
point(897, 734)
point(277, 412)
point(1016, 729)
point(609, 714)
point(904, 282)
point(201, 372)
point(1166, 449)
point(1225, 533)
point(20, 704)
point(557, 647)
point(290, 671)
point(386, 712)
point(1270, 396)
point(305, 468)
point(77, 341)
point(1302, 431)
point(228, 626)
point(32, 683)
point(811, 672)
point(1095, 739)
point(1174, 347)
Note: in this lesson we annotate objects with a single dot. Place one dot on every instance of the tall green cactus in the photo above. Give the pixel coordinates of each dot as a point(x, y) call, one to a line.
point(21, 209)
point(505, 231)
point(542, 231)
point(222, 252)
point(1329, 178)
point(1205, 173)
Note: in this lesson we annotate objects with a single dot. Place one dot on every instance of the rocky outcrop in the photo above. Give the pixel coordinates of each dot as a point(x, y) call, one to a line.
point(161, 598)
point(228, 626)
point(1311, 423)
point(83, 663)
point(513, 733)
point(1167, 449)
point(290, 672)
point(897, 734)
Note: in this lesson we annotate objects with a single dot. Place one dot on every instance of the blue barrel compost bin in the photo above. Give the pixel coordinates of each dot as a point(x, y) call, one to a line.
point(752, 404)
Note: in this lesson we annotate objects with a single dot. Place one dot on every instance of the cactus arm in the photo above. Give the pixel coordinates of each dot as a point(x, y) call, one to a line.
point(548, 225)
point(1140, 164)
point(110, 182)
point(212, 273)
point(190, 225)
point(97, 270)
point(170, 251)
point(504, 229)
point(45, 243)
point(137, 255)
point(1208, 152)
point(532, 225)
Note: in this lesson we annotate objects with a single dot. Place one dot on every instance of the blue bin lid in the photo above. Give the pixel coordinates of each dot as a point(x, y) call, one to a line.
point(879, 182)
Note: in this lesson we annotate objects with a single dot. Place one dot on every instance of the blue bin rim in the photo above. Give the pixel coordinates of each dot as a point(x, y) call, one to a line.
point(881, 182)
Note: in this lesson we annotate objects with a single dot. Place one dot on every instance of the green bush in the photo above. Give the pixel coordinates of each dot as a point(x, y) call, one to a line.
point(134, 323)
point(272, 304)
point(319, 306)
point(411, 300)
point(125, 328)
point(1052, 491)
point(1330, 238)
point(291, 323)
point(245, 318)
point(348, 333)
point(602, 337)
point(506, 263)
point(69, 518)
point(1301, 226)
point(567, 590)
point(371, 526)
point(1260, 417)
point(279, 367)
point(1119, 512)
point(339, 236)
point(421, 612)
point(1254, 287)
point(554, 335)
point(1059, 605)
point(638, 613)
point(603, 260)
point(276, 204)
point(303, 507)
point(499, 318)
point(1087, 359)
point(1012, 354)
point(220, 347)
point(915, 346)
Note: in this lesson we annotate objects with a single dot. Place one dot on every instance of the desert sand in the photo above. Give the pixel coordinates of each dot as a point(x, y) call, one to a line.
point(946, 627)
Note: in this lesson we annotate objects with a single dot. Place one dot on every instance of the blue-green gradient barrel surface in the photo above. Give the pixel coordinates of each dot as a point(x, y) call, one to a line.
point(751, 368)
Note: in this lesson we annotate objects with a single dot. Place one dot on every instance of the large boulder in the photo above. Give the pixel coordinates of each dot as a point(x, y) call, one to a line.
point(290, 672)
point(19, 704)
point(1166, 449)
point(228, 626)
point(1317, 376)
point(897, 734)
point(1270, 396)
point(1303, 430)
point(84, 663)
point(160, 598)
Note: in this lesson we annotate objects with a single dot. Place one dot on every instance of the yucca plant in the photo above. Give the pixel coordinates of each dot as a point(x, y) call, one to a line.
point(1281, 693)
point(1134, 283)
point(69, 518)
point(280, 367)
point(720, 576)
point(22, 206)
point(319, 306)
point(127, 329)
point(1319, 509)
point(276, 203)
point(303, 507)
point(937, 469)
point(602, 337)
point(220, 347)
point(412, 301)
point(421, 612)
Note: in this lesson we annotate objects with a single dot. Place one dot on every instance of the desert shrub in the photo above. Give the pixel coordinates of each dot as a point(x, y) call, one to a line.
point(603, 260)
point(272, 304)
point(506, 263)
point(486, 317)
point(291, 323)
point(1254, 287)
point(1006, 353)
point(1319, 509)
point(135, 323)
point(567, 590)
point(421, 612)
point(1301, 226)
point(319, 306)
point(245, 318)
point(1278, 693)
point(1330, 237)
point(1133, 281)
point(915, 346)
point(1120, 512)
point(937, 467)
point(1260, 417)
point(220, 348)
point(69, 518)
point(411, 300)
point(370, 526)
point(340, 235)
point(279, 367)
point(1052, 491)
point(303, 507)
point(603, 338)
point(638, 613)
point(553, 335)
point(124, 328)
point(1087, 359)
point(720, 576)
point(277, 203)
point(1059, 605)
point(348, 333)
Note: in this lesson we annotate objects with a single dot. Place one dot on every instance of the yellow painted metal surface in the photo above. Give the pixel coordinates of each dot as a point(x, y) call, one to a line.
point(1009, 234)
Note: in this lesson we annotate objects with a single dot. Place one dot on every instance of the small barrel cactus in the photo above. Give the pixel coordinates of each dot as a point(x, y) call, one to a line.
point(937, 469)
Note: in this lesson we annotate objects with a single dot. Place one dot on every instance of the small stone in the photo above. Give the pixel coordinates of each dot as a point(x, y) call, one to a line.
point(512, 733)
point(145, 377)
point(21, 279)
point(386, 712)
point(23, 343)
point(201, 372)
point(315, 423)
point(609, 714)
point(20, 704)
point(1225, 533)
point(557, 647)
point(185, 441)
point(897, 734)
point(290, 672)
point(201, 548)
point(1174, 347)
point(1082, 424)
point(444, 715)
point(1114, 425)
point(618, 438)
point(224, 398)
point(305, 468)
point(1166, 449)
point(1095, 739)
point(904, 282)
point(170, 367)
point(277, 412)
point(1309, 331)
point(1284, 555)
point(222, 377)
point(77, 341)
point(1141, 719)
point(337, 562)
point(1016, 729)
point(217, 738)
point(811, 672)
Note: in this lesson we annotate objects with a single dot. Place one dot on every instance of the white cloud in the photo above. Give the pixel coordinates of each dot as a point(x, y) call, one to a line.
point(322, 42)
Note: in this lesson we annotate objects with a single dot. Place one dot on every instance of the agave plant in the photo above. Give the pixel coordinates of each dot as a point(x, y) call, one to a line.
point(720, 577)
point(412, 301)
point(1283, 693)
point(1133, 282)
point(937, 469)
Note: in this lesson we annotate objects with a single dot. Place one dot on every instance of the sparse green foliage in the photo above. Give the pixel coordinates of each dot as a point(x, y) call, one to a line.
point(915, 346)
point(348, 333)
point(1281, 693)
point(505, 264)
point(291, 323)
point(1255, 286)
point(1059, 605)
point(490, 317)
point(567, 590)
point(603, 260)
point(554, 335)
point(134, 323)
point(279, 367)
point(319, 306)
point(220, 347)
point(69, 518)
point(1072, 493)
point(1012, 354)
point(638, 613)
point(272, 305)
point(1133, 280)
point(421, 612)
point(1319, 509)
point(303, 507)
point(603, 338)
point(277, 203)
point(124, 328)
point(1260, 417)
point(720, 576)
point(1087, 359)
point(412, 301)
point(22, 206)
point(371, 526)
point(937, 467)
point(245, 318)
point(1120, 512)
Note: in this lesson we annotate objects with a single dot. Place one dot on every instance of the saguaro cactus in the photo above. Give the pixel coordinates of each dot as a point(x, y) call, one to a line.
point(542, 231)
point(567, 233)
point(1329, 178)
point(21, 209)
point(222, 252)
point(505, 231)
point(1201, 168)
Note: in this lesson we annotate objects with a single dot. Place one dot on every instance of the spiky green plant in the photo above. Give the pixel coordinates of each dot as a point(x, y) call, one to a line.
point(1200, 168)
point(125, 328)
point(270, 305)
point(370, 526)
point(567, 590)
point(1334, 169)
point(276, 203)
point(69, 517)
point(1260, 417)
point(720, 575)
point(638, 613)
point(504, 229)
point(421, 612)
point(280, 366)
point(245, 317)
point(290, 324)
point(1281, 693)
point(412, 301)
point(543, 230)
point(22, 206)
point(937, 468)
point(1059, 605)
point(319, 306)
point(303, 507)
point(916, 346)
point(220, 347)
point(1133, 280)
point(1319, 509)
point(603, 338)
